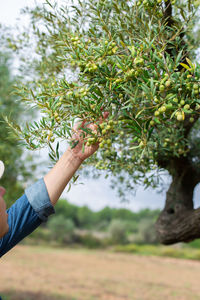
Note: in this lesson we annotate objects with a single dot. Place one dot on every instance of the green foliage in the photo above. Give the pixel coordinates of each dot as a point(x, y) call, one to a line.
point(100, 228)
point(146, 232)
point(126, 59)
point(67, 210)
point(85, 218)
point(117, 231)
point(168, 251)
point(138, 228)
point(90, 241)
point(194, 244)
point(39, 235)
point(61, 229)
point(105, 214)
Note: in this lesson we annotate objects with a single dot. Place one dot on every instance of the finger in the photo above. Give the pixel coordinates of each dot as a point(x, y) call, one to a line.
point(92, 126)
point(77, 136)
point(79, 123)
point(105, 116)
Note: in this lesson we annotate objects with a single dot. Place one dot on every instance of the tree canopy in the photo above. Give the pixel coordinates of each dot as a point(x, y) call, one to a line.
point(136, 60)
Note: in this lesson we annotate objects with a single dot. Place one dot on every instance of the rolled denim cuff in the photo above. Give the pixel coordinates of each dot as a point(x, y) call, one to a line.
point(39, 199)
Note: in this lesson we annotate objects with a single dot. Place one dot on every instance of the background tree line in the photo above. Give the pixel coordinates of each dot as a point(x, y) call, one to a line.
point(80, 225)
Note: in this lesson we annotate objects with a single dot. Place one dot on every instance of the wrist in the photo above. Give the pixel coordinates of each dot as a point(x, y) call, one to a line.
point(59, 176)
point(73, 157)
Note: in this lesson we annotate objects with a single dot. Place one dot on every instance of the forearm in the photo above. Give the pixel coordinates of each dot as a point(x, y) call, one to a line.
point(59, 176)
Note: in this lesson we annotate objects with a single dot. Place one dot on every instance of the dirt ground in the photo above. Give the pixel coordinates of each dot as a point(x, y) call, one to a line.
point(30, 273)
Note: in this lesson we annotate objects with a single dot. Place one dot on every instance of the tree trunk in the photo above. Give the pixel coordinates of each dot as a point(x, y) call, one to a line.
point(179, 221)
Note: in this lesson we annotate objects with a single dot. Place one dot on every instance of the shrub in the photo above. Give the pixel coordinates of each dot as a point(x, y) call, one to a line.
point(194, 244)
point(171, 252)
point(67, 210)
point(61, 229)
point(117, 230)
point(102, 225)
point(90, 241)
point(146, 232)
point(131, 248)
point(41, 234)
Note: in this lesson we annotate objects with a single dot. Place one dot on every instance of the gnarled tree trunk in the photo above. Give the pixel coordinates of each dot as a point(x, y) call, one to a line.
point(179, 221)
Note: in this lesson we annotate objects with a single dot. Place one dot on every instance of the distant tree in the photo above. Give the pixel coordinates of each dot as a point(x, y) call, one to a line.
point(146, 232)
point(11, 151)
point(105, 214)
point(62, 229)
point(146, 214)
point(122, 213)
point(67, 210)
point(85, 217)
point(117, 230)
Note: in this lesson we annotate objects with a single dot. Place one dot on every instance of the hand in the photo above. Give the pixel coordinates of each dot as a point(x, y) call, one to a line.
point(79, 136)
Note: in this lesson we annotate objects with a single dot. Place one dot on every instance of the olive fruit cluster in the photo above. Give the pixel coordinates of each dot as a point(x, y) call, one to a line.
point(91, 66)
point(152, 3)
point(112, 47)
point(91, 141)
point(78, 93)
point(180, 116)
point(165, 83)
point(139, 61)
point(160, 110)
point(106, 127)
point(103, 139)
point(75, 41)
point(196, 88)
point(56, 116)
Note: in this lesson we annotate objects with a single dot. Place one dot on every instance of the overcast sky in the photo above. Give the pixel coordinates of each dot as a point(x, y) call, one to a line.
point(94, 193)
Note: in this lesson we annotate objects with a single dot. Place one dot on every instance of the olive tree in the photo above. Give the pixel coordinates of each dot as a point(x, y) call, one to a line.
point(137, 61)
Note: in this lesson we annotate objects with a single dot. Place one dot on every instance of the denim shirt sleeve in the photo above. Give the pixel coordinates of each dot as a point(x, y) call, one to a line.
point(26, 214)
point(39, 199)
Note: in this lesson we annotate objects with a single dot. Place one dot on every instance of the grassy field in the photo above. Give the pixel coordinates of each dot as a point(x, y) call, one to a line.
point(42, 273)
point(176, 251)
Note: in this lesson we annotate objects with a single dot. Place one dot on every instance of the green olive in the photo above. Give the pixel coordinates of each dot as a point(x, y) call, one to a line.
point(187, 106)
point(180, 117)
point(191, 120)
point(162, 88)
point(152, 123)
point(182, 102)
point(168, 83)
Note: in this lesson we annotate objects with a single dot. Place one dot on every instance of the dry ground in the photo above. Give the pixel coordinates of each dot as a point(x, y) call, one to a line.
point(39, 273)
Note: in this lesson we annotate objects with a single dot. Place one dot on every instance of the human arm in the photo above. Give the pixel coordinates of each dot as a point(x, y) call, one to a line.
point(59, 176)
point(36, 205)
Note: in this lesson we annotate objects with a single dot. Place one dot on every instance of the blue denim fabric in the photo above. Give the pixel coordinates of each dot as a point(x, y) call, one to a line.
point(39, 199)
point(26, 214)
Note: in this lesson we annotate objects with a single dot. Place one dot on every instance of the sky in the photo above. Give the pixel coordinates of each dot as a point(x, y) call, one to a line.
point(96, 194)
